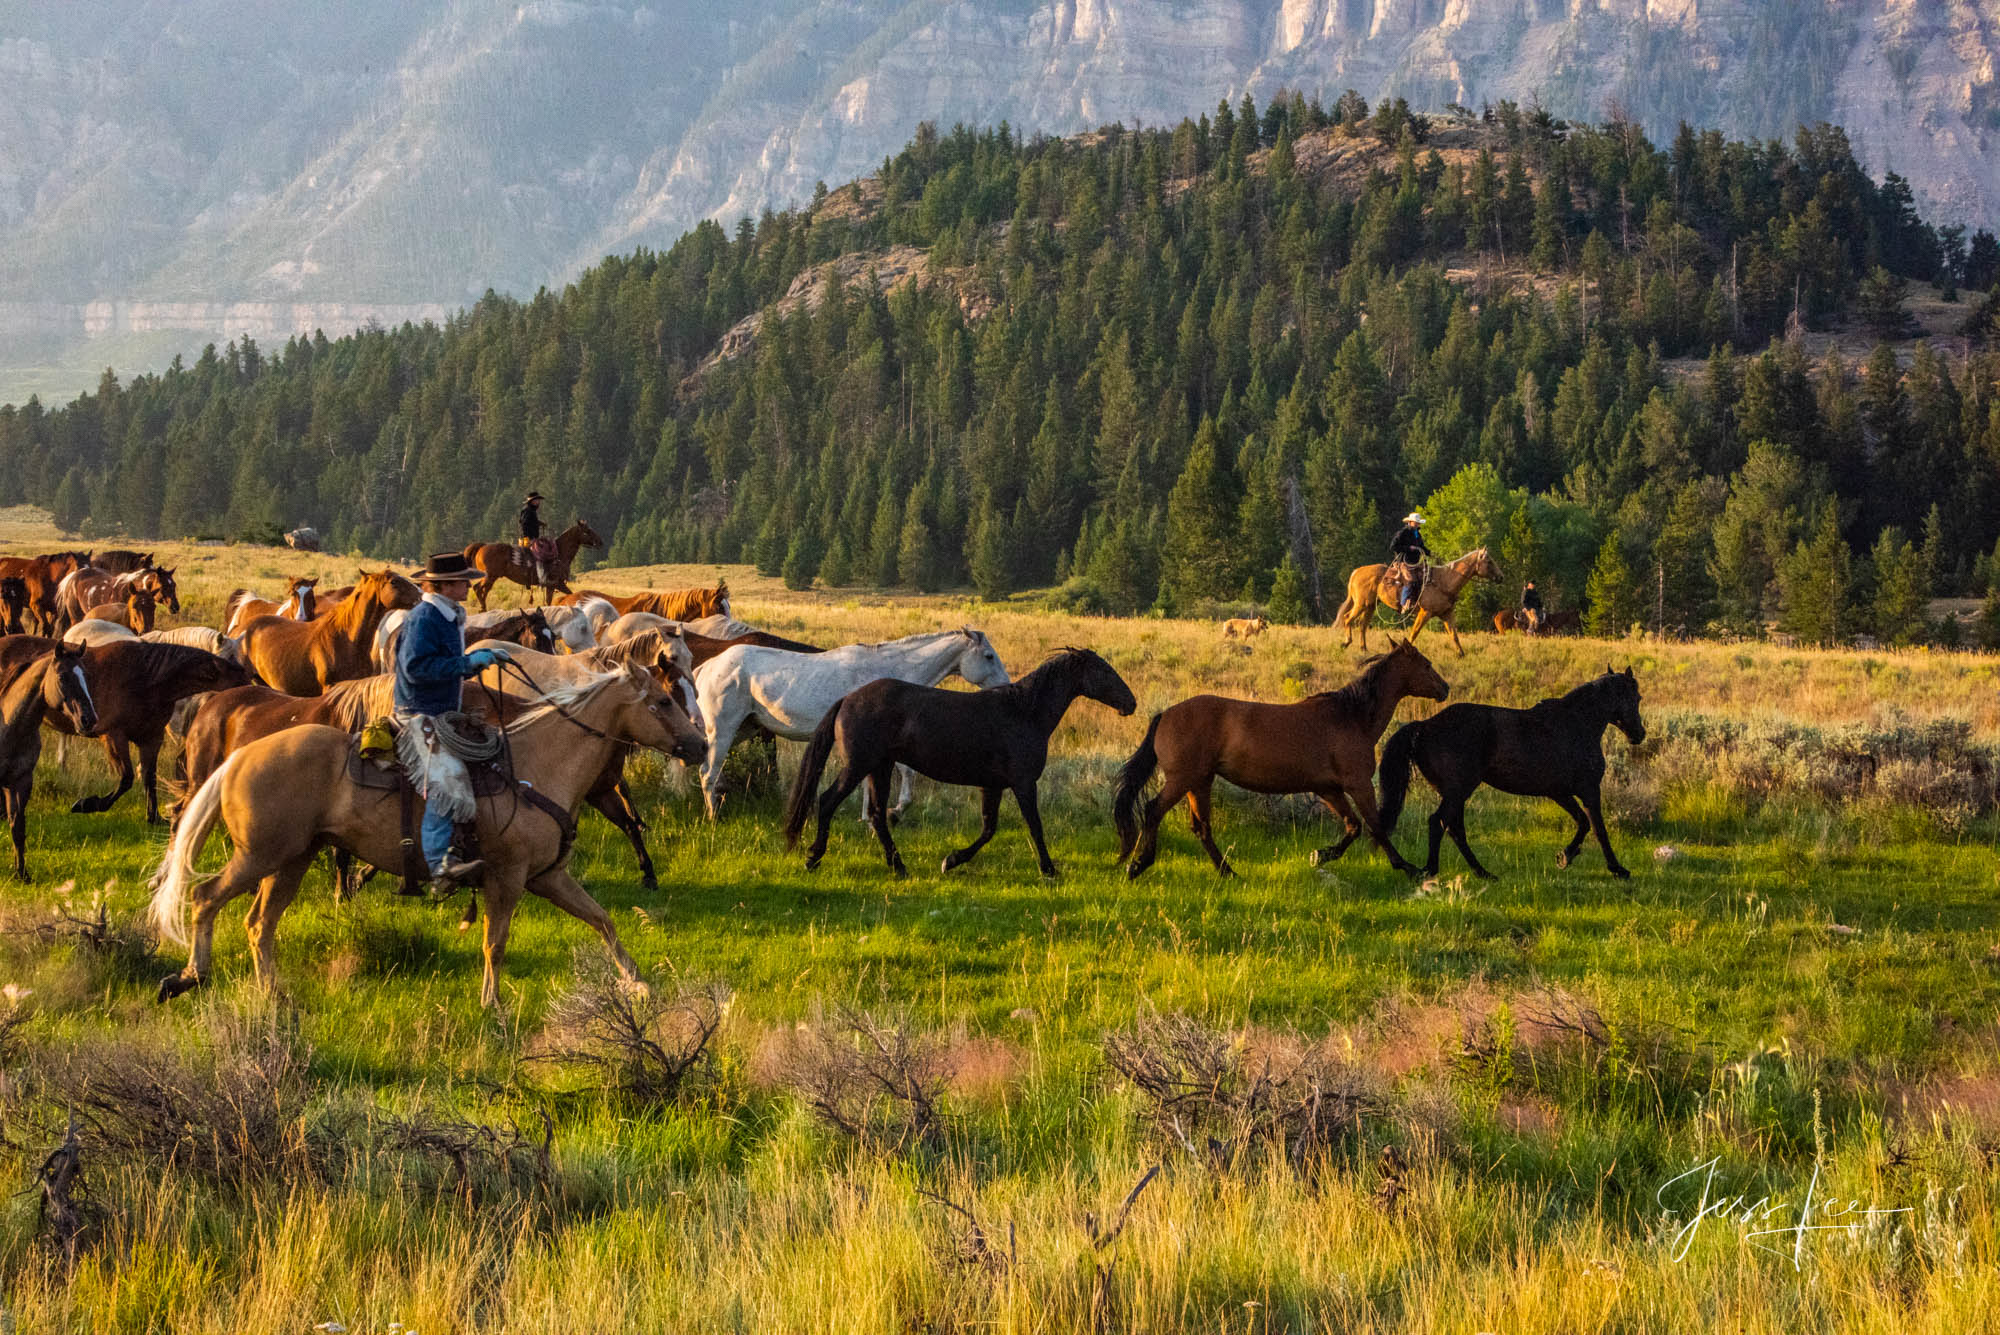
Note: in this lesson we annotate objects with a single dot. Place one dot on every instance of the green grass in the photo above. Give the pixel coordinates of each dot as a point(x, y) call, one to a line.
point(1734, 1018)
point(736, 1209)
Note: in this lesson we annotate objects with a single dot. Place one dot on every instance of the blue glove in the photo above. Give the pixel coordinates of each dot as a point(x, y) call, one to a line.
point(481, 659)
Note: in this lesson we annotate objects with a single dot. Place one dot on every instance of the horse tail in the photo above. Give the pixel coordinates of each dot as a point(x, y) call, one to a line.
point(471, 552)
point(1340, 613)
point(176, 874)
point(1131, 785)
point(805, 784)
point(1396, 771)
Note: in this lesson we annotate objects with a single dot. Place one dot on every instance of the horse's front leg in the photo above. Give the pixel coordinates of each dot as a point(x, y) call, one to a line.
point(1031, 812)
point(878, 789)
point(1363, 797)
point(149, 774)
point(1452, 626)
point(1423, 619)
point(121, 760)
point(989, 821)
point(561, 889)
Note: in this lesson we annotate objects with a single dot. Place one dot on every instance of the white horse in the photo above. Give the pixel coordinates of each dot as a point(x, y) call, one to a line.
point(596, 612)
point(548, 670)
point(575, 631)
point(789, 693)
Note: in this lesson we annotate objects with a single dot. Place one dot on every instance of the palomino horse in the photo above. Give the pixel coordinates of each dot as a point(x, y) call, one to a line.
point(48, 678)
point(994, 740)
point(789, 693)
point(245, 607)
point(1323, 745)
point(41, 576)
point(1555, 750)
point(503, 560)
point(87, 587)
point(673, 604)
point(288, 795)
point(306, 657)
point(1437, 602)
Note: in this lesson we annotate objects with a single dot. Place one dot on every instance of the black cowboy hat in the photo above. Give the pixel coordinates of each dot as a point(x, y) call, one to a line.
point(536, 496)
point(449, 566)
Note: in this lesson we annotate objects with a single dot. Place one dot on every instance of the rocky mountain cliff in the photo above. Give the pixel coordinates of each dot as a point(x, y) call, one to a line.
point(389, 155)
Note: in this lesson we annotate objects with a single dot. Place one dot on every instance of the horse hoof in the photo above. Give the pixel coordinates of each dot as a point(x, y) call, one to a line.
point(1318, 856)
point(173, 985)
point(900, 871)
point(947, 865)
point(1562, 859)
point(1133, 870)
point(1621, 873)
point(1051, 873)
point(812, 864)
point(83, 806)
point(1225, 870)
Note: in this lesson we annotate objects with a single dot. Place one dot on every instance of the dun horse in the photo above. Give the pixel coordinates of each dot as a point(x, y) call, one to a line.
point(506, 560)
point(1323, 745)
point(306, 657)
point(673, 604)
point(1439, 599)
point(995, 740)
point(1555, 750)
point(286, 796)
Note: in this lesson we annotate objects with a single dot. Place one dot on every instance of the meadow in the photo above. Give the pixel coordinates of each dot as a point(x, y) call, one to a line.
point(1755, 1088)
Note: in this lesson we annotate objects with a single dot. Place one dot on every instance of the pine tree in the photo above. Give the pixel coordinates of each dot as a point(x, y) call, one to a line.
point(989, 554)
point(1287, 604)
point(1816, 583)
point(1200, 557)
point(1612, 597)
point(71, 506)
point(1900, 592)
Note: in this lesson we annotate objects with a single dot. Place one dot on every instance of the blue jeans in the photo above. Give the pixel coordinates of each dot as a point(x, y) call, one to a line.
point(437, 829)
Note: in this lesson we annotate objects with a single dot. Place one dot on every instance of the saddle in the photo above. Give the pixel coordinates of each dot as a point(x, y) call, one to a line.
point(374, 762)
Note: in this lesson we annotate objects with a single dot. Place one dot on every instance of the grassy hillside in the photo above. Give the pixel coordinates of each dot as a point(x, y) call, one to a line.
point(1444, 1107)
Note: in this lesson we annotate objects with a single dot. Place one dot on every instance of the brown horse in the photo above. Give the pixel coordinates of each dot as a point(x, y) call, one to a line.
point(1438, 600)
point(87, 587)
point(306, 657)
point(121, 562)
point(286, 796)
point(53, 678)
point(135, 613)
point(42, 576)
point(1323, 745)
point(1553, 623)
point(501, 560)
point(245, 607)
point(135, 685)
point(673, 604)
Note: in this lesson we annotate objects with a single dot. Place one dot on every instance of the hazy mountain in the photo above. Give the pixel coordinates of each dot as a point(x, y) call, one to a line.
point(216, 165)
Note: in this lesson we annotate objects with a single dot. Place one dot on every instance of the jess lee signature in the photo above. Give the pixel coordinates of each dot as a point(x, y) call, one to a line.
point(1774, 1225)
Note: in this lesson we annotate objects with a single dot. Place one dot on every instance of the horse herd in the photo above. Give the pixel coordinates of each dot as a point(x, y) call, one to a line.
point(267, 704)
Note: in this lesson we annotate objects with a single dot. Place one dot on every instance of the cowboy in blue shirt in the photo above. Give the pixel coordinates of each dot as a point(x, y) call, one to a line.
point(431, 668)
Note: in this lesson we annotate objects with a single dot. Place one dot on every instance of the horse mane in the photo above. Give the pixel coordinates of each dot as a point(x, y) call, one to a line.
point(158, 665)
point(1359, 693)
point(642, 648)
point(357, 702)
point(570, 695)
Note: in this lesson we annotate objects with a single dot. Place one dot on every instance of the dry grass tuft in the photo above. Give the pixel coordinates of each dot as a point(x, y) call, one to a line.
point(643, 1044)
point(873, 1080)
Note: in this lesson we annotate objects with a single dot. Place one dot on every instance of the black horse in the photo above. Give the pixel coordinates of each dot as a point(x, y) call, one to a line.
point(1555, 750)
point(995, 740)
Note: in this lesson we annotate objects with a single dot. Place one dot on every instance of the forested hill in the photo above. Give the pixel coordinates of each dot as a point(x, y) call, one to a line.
point(1169, 367)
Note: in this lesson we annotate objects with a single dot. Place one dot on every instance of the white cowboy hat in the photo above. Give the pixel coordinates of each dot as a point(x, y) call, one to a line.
point(1413, 518)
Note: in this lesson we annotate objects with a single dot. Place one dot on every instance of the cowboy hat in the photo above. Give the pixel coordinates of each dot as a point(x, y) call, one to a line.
point(1413, 518)
point(448, 566)
point(536, 496)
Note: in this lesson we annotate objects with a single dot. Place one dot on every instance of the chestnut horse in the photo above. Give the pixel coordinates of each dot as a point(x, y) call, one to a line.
point(87, 587)
point(135, 613)
point(673, 604)
point(1437, 601)
point(502, 560)
point(306, 657)
point(245, 607)
point(41, 577)
point(287, 796)
point(1323, 745)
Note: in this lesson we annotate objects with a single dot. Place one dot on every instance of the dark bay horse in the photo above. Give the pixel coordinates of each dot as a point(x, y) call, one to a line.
point(507, 560)
point(42, 576)
point(121, 562)
point(1323, 745)
point(1553, 623)
point(52, 678)
point(135, 685)
point(14, 600)
point(1555, 750)
point(996, 740)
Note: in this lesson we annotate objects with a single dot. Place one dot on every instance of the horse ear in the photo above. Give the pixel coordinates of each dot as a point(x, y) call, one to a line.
point(1628, 671)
